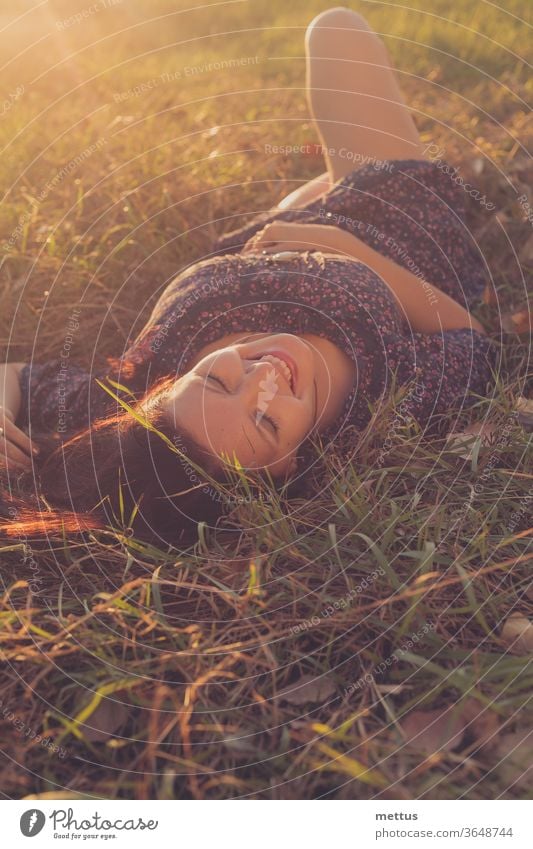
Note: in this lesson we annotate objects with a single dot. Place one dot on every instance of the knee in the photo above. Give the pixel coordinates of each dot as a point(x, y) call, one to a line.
point(329, 22)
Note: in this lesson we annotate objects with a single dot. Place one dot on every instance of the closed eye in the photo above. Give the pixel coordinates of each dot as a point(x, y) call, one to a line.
point(217, 380)
point(258, 416)
point(273, 424)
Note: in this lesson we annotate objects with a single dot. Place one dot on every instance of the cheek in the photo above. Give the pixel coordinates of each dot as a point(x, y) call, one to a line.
point(300, 423)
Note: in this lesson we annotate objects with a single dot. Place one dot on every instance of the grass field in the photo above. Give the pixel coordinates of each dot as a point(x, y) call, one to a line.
point(356, 646)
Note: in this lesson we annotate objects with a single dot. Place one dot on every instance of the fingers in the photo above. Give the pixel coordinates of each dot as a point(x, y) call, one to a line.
point(267, 237)
point(14, 434)
point(256, 243)
point(11, 456)
point(15, 446)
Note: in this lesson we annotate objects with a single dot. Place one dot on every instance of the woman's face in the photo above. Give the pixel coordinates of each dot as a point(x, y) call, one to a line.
point(256, 400)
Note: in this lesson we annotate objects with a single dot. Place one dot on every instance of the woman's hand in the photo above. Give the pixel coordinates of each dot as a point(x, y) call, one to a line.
point(286, 236)
point(15, 446)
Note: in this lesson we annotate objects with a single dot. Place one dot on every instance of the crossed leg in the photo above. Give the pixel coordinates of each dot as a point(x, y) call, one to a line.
point(355, 100)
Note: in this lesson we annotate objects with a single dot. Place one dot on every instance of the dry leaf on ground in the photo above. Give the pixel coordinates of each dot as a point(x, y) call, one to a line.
point(309, 689)
point(107, 717)
point(517, 634)
point(430, 731)
point(462, 442)
point(516, 322)
point(524, 408)
point(514, 751)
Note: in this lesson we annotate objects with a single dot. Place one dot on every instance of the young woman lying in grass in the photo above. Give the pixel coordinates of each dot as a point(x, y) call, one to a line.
point(298, 325)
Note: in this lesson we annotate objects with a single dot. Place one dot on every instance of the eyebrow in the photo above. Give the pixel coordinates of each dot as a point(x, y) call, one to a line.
point(261, 430)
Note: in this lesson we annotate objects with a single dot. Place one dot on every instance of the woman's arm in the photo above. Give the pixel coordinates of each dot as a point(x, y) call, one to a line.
point(10, 388)
point(15, 445)
point(308, 192)
point(426, 308)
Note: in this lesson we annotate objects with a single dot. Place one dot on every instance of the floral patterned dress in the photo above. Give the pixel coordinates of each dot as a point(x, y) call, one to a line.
point(410, 211)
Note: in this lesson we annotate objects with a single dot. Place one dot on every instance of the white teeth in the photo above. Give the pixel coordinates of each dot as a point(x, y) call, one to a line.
point(281, 365)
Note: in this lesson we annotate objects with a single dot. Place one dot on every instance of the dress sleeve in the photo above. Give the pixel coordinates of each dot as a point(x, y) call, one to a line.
point(443, 373)
point(55, 398)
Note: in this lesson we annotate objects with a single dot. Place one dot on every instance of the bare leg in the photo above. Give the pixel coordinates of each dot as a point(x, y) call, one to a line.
point(354, 94)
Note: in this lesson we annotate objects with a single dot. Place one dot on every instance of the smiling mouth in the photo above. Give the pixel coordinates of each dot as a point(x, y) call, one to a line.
point(283, 364)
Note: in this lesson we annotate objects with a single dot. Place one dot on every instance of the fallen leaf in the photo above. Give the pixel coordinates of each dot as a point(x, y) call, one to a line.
point(524, 408)
point(514, 752)
point(517, 322)
point(517, 634)
point(429, 731)
point(309, 689)
point(462, 442)
point(104, 721)
point(434, 730)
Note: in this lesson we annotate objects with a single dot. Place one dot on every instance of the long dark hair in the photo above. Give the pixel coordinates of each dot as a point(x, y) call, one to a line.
point(119, 472)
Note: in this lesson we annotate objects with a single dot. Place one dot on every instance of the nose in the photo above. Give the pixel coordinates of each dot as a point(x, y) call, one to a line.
point(249, 377)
